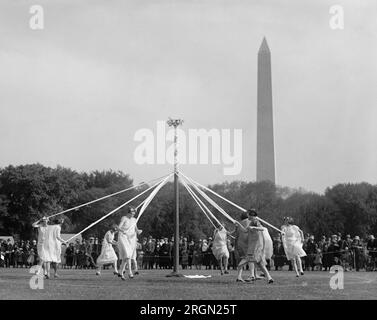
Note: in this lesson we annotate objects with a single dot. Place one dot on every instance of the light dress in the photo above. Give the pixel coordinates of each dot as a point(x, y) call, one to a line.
point(268, 244)
point(52, 245)
point(127, 238)
point(292, 242)
point(219, 245)
point(42, 249)
point(108, 254)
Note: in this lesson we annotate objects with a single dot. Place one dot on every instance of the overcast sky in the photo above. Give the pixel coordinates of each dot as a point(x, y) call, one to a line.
point(76, 92)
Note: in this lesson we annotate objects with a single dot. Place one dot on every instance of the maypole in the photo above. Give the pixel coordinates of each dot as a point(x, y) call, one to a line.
point(175, 123)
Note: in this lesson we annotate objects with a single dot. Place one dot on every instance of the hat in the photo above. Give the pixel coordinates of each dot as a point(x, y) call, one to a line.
point(44, 219)
point(357, 238)
point(252, 212)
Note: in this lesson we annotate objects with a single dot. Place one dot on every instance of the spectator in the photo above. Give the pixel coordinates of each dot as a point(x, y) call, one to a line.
point(9, 254)
point(372, 251)
point(357, 252)
point(69, 254)
point(333, 251)
point(318, 260)
point(311, 250)
point(63, 256)
point(279, 256)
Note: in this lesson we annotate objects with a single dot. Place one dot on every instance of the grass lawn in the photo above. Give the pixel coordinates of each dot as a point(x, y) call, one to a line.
point(154, 285)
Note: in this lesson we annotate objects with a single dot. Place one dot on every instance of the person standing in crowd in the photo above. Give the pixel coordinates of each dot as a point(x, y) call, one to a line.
point(127, 238)
point(2, 253)
point(149, 252)
point(43, 254)
point(17, 256)
point(279, 255)
point(139, 256)
point(184, 261)
point(357, 252)
point(197, 255)
point(76, 254)
point(25, 252)
point(255, 250)
point(108, 255)
point(171, 252)
point(164, 254)
point(64, 256)
point(372, 251)
point(190, 253)
point(212, 262)
point(293, 239)
point(183, 250)
point(69, 253)
point(143, 247)
point(311, 251)
point(205, 254)
point(333, 251)
point(33, 247)
point(9, 254)
point(232, 256)
point(31, 258)
point(318, 260)
point(96, 249)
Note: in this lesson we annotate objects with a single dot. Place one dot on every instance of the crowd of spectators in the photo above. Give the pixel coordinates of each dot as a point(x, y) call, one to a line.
point(351, 253)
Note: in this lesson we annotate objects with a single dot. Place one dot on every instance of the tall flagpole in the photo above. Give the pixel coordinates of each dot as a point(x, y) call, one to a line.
point(175, 123)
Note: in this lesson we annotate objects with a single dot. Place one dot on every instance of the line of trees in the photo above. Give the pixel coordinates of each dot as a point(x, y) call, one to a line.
point(28, 192)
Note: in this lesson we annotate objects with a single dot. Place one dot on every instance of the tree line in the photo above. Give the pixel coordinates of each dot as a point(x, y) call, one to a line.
point(28, 192)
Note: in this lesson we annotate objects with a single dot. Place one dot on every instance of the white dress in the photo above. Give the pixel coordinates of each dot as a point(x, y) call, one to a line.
point(219, 246)
point(42, 249)
point(292, 242)
point(52, 245)
point(108, 254)
point(127, 238)
point(268, 244)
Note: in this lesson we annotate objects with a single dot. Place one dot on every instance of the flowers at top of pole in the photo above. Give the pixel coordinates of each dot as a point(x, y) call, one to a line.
point(174, 122)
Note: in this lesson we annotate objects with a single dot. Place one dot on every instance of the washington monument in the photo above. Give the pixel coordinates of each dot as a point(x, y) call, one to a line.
point(265, 126)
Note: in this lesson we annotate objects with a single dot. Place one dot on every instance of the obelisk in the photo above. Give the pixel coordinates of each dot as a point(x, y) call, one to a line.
point(265, 126)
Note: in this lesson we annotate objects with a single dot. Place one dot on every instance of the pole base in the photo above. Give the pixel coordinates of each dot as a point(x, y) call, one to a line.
point(174, 274)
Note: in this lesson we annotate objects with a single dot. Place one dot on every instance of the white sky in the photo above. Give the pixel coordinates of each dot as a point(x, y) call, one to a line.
point(75, 93)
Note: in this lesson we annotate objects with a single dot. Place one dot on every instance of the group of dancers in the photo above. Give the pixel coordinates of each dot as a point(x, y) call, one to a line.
point(254, 246)
point(252, 241)
point(49, 245)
